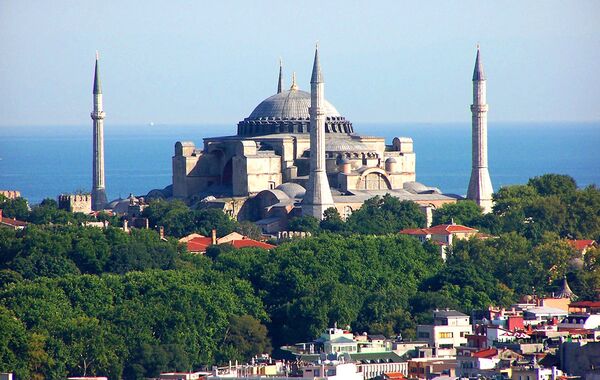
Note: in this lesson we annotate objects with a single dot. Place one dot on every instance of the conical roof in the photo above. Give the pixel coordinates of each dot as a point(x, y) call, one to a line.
point(478, 73)
point(97, 84)
point(566, 291)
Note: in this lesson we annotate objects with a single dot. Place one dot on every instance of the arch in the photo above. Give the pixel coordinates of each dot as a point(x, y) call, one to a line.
point(227, 175)
point(374, 179)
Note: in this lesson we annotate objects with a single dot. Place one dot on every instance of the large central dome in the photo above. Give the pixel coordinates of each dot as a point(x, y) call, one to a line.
point(291, 104)
point(287, 112)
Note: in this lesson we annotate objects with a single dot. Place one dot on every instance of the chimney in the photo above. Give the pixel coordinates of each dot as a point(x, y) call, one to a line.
point(161, 232)
point(214, 236)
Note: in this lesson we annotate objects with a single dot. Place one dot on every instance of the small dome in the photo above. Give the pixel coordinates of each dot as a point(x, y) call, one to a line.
point(292, 190)
point(291, 104)
point(391, 160)
point(343, 161)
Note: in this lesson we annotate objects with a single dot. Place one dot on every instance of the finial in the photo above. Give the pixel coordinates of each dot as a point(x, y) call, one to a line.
point(294, 85)
point(316, 76)
point(317, 45)
point(97, 55)
point(477, 45)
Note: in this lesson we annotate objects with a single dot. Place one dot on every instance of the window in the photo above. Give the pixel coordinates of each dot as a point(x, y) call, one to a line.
point(423, 334)
point(446, 335)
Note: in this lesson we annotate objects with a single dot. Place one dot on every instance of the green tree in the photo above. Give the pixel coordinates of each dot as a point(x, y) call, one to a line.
point(332, 221)
point(17, 208)
point(304, 223)
point(385, 215)
point(553, 184)
point(464, 212)
point(246, 338)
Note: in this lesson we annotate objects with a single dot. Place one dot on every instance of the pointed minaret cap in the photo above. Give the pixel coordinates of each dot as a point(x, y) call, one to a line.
point(97, 84)
point(280, 82)
point(478, 73)
point(566, 291)
point(294, 85)
point(317, 76)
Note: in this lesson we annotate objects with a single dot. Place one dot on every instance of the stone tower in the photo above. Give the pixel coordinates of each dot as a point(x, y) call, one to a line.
point(318, 196)
point(480, 185)
point(98, 187)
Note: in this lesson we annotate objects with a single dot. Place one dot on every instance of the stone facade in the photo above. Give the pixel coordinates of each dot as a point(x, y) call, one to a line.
point(75, 202)
point(10, 194)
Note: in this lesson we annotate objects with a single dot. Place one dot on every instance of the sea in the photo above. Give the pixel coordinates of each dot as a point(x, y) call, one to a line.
point(45, 161)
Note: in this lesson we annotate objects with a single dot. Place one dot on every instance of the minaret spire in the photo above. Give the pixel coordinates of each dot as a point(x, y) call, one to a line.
point(318, 196)
point(280, 82)
point(98, 185)
point(480, 185)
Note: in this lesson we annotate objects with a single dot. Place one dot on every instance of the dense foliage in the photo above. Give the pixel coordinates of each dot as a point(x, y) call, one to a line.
point(83, 301)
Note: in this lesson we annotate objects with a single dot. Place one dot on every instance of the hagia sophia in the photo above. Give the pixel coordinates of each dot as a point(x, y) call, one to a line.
point(295, 154)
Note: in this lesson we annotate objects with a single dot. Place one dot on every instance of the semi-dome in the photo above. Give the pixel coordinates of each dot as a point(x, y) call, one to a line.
point(291, 104)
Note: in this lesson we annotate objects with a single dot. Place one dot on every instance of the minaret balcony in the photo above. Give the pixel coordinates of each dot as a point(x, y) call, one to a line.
point(479, 107)
point(97, 115)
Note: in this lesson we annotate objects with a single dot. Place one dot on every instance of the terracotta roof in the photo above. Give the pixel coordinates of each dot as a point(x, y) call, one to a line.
point(243, 243)
point(487, 353)
point(198, 244)
point(580, 245)
point(415, 231)
point(447, 229)
point(441, 229)
point(585, 304)
point(12, 222)
point(393, 375)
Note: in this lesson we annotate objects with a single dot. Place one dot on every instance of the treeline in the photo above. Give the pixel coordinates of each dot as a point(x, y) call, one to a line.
point(130, 326)
point(80, 300)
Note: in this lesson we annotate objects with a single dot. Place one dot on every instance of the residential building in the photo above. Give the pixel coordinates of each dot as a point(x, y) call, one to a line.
point(449, 330)
point(198, 244)
point(442, 235)
point(535, 372)
point(11, 222)
point(426, 368)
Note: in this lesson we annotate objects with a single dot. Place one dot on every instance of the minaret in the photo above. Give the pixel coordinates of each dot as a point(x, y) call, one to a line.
point(280, 81)
point(98, 187)
point(480, 185)
point(318, 194)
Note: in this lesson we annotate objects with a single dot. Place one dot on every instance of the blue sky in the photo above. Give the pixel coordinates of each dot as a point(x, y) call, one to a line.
point(197, 62)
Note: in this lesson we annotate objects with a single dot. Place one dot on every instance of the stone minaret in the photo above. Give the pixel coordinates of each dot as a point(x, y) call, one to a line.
point(480, 185)
point(280, 81)
point(318, 194)
point(98, 187)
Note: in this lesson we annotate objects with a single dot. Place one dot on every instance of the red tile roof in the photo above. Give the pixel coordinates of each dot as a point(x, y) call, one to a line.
point(487, 353)
point(585, 304)
point(393, 375)
point(415, 231)
point(243, 243)
point(12, 222)
point(442, 229)
point(447, 229)
point(198, 244)
point(580, 245)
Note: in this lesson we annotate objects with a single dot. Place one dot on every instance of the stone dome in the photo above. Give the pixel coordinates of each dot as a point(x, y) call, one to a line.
point(287, 112)
point(292, 190)
point(290, 104)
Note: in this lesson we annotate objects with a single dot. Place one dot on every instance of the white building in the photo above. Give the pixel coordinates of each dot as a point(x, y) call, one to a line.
point(580, 321)
point(449, 330)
